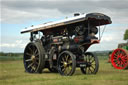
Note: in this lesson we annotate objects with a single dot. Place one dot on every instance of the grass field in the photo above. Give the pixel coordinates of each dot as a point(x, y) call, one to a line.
point(12, 73)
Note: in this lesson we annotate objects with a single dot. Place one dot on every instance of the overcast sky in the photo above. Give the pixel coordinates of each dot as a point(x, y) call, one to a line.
point(18, 14)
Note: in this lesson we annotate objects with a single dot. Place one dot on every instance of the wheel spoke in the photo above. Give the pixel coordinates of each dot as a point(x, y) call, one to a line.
point(92, 64)
point(30, 49)
point(28, 60)
point(37, 54)
point(70, 62)
point(33, 68)
point(93, 61)
point(87, 70)
point(28, 54)
point(36, 63)
point(61, 62)
point(63, 69)
point(33, 48)
point(90, 58)
point(68, 70)
point(66, 63)
point(115, 55)
point(63, 59)
point(122, 63)
point(93, 67)
point(67, 58)
point(90, 70)
point(70, 67)
point(65, 72)
point(29, 65)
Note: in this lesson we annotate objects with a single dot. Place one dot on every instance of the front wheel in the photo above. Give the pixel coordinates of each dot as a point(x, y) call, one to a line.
point(92, 64)
point(66, 63)
point(34, 57)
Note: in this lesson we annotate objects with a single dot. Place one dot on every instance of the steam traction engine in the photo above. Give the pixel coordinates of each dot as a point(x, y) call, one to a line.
point(63, 44)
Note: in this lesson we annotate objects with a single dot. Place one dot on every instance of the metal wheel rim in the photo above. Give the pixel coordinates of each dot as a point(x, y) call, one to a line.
point(91, 64)
point(65, 64)
point(31, 59)
point(119, 59)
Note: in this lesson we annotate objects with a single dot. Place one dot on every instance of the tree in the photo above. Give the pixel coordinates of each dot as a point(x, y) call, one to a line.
point(126, 35)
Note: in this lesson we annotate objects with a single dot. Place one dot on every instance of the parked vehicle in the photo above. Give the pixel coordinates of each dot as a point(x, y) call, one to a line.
point(63, 45)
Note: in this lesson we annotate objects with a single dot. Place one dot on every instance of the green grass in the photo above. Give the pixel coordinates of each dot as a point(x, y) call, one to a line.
point(12, 73)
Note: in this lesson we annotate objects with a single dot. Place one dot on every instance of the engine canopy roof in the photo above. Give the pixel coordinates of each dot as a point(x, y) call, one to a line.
point(95, 19)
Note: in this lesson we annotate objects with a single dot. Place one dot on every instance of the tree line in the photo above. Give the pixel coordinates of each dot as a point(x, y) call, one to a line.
point(126, 35)
point(10, 54)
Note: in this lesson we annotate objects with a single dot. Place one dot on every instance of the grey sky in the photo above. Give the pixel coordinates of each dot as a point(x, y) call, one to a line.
point(23, 10)
point(16, 14)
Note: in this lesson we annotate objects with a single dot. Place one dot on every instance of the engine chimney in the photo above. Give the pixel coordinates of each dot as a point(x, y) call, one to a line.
point(76, 14)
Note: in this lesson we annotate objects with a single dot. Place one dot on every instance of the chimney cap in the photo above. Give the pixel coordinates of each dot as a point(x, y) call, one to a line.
point(76, 14)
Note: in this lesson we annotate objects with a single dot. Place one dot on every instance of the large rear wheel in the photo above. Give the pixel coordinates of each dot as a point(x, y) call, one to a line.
point(119, 58)
point(34, 57)
point(92, 64)
point(66, 63)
